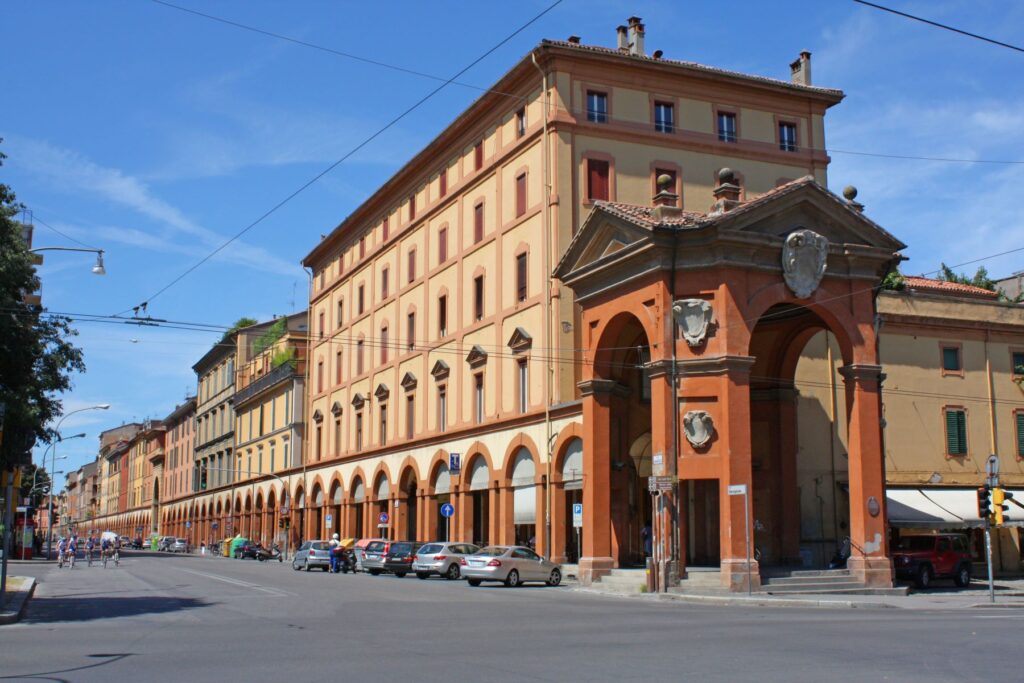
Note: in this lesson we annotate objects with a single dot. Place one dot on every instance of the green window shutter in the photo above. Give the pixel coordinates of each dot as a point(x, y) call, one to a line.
point(956, 432)
point(951, 359)
point(1020, 434)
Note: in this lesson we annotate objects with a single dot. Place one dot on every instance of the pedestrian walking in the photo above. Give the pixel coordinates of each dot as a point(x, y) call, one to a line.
point(646, 535)
point(335, 551)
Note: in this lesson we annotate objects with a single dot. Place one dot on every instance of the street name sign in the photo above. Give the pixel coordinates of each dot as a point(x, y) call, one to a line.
point(737, 489)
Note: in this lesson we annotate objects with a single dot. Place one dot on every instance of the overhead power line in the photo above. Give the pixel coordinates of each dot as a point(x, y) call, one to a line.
point(938, 25)
point(36, 219)
point(347, 155)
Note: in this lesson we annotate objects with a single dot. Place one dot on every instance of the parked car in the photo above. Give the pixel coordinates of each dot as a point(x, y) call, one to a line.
point(164, 543)
point(137, 543)
point(925, 557)
point(399, 557)
point(180, 545)
point(513, 565)
point(247, 551)
point(441, 558)
point(312, 554)
point(373, 556)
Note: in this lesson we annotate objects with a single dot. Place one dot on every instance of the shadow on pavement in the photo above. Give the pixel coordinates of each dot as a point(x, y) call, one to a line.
point(43, 610)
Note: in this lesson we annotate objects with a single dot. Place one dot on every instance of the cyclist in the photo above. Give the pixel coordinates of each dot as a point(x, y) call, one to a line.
point(72, 550)
point(62, 549)
point(90, 546)
point(117, 550)
point(104, 549)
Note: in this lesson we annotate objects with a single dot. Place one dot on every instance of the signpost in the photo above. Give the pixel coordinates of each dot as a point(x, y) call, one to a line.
point(382, 520)
point(329, 520)
point(447, 510)
point(992, 470)
point(577, 523)
point(741, 490)
point(660, 484)
point(454, 463)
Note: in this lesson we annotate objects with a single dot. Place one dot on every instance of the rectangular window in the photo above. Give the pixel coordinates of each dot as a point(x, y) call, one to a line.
point(956, 431)
point(521, 122)
point(442, 316)
point(386, 229)
point(597, 106)
point(320, 324)
point(951, 360)
point(478, 223)
point(442, 245)
point(341, 313)
point(597, 179)
point(412, 265)
point(384, 283)
point(273, 457)
point(520, 194)
point(383, 345)
point(360, 300)
point(1017, 359)
point(1019, 415)
point(478, 297)
point(478, 156)
point(359, 357)
point(726, 126)
point(478, 397)
point(319, 441)
point(359, 431)
point(787, 137)
point(442, 408)
point(524, 386)
point(383, 425)
point(337, 367)
point(362, 247)
point(412, 207)
point(319, 380)
point(442, 182)
point(410, 416)
point(664, 117)
point(337, 435)
point(521, 277)
point(410, 331)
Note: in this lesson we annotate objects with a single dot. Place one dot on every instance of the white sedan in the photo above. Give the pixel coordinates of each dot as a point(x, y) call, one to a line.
point(512, 565)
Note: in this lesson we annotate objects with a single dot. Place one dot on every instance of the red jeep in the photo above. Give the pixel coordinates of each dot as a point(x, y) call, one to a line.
point(939, 556)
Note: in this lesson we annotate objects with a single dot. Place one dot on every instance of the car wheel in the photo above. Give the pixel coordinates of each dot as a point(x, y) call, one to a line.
point(924, 577)
point(422, 575)
point(555, 578)
point(453, 572)
point(512, 580)
point(474, 582)
point(375, 572)
point(401, 575)
point(295, 566)
point(963, 576)
point(306, 566)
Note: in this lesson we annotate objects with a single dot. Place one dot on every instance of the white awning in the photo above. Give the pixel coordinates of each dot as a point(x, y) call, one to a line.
point(942, 508)
point(524, 505)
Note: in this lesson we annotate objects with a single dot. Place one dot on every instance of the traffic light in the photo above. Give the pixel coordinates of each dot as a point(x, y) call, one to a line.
point(983, 502)
point(998, 497)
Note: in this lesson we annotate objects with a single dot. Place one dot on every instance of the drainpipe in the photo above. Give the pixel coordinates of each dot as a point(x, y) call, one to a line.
point(674, 554)
point(991, 398)
point(308, 383)
point(550, 367)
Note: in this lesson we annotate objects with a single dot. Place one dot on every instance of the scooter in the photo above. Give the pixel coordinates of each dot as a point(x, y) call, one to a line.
point(262, 554)
point(347, 561)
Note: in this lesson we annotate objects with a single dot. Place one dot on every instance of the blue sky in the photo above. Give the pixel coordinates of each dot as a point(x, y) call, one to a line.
point(154, 135)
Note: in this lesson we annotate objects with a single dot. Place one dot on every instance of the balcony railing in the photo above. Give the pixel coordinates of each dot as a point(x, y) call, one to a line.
point(275, 376)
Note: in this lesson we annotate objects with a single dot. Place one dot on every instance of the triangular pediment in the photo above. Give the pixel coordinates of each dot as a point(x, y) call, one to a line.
point(358, 400)
point(408, 381)
point(336, 408)
point(520, 340)
point(382, 392)
point(602, 237)
point(318, 416)
point(440, 370)
point(476, 356)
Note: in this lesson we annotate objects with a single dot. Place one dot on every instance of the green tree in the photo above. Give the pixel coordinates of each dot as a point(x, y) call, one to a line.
point(239, 324)
point(980, 279)
point(36, 357)
point(35, 483)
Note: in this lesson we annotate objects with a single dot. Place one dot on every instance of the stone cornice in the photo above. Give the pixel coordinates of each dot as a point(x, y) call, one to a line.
point(715, 365)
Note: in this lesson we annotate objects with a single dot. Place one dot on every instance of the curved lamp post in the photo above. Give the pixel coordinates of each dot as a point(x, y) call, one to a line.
point(49, 507)
point(97, 269)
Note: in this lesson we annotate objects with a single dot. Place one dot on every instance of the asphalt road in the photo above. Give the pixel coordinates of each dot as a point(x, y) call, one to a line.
point(172, 618)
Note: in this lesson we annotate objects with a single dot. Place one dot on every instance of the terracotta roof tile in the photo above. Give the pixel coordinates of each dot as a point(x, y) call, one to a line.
point(931, 286)
point(645, 214)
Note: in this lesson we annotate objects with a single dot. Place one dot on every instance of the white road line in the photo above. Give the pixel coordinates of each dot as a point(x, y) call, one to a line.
point(236, 582)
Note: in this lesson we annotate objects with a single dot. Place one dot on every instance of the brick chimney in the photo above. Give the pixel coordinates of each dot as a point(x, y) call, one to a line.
point(623, 40)
point(800, 70)
point(666, 202)
point(636, 37)
point(727, 194)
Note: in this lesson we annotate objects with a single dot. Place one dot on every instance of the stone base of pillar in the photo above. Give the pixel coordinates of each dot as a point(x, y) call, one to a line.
point(593, 568)
point(735, 575)
point(874, 572)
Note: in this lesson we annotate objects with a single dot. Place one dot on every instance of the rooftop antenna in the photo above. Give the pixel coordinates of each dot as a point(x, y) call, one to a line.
point(295, 284)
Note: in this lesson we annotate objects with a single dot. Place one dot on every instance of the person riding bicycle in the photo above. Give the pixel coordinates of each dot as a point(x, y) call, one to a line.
point(90, 547)
point(72, 549)
point(62, 549)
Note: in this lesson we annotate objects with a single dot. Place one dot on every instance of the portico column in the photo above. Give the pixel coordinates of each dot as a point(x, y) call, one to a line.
point(506, 518)
point(869, 552)
point(596, 555)
point(662, 404)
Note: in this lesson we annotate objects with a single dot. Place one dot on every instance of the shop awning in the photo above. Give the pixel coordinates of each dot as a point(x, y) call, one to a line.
point(942, 508)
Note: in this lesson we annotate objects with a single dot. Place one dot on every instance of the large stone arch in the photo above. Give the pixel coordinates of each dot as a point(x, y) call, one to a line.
point(520, 440)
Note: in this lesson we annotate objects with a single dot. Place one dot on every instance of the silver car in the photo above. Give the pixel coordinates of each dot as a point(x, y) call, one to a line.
point(178, 545)
point(373, 556)
point(441, 558)
point(511, 564)
point(312, 554)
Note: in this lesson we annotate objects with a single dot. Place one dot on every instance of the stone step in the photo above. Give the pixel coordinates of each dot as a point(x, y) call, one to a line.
point(803, 580)
point(858, 589)
point(711, 579)
point(802, 573)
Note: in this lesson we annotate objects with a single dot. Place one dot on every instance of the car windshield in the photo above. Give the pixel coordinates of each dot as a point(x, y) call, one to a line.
point(182, 540)
point(492, 551)
point(431, 548)
point(913, 543)
point(320, 545)
point(375, 547)
point(401, 548)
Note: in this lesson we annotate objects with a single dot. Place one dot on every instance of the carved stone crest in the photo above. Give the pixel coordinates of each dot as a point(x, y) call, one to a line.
point(699, 428)
point(694, 317)
point(803, 261)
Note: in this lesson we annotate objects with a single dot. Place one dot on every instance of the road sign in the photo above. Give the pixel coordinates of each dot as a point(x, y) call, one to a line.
point(330, 521)
point(738, 490)
point(577, 515)
point(138, 529)
point(383, 518)
point(454, 462)
point(188, 525)
point(659, 484)
point(213, 525)
point(658, 464)
point(447, 510)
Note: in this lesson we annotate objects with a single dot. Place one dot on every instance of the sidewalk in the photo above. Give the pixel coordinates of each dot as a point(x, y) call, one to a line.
point(19, 590)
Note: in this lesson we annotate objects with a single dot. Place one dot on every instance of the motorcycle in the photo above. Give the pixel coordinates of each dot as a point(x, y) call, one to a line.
point(274, 553)
point(347, 561)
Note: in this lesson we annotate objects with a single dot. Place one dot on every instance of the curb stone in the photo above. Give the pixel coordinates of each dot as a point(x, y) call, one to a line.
point(20, 602)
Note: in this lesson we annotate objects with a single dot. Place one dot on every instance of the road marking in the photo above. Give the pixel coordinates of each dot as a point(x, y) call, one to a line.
point(243, 584)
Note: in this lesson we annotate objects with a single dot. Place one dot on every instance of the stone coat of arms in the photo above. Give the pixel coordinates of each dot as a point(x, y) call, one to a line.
point(698, 427)
point(694, 317)
point(804, 257)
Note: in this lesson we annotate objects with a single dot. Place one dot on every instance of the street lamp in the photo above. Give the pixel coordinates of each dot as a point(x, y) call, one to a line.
point(49, 507)
point(97, 269)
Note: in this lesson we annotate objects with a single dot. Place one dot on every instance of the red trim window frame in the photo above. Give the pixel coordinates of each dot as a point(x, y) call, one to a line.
point(521, 194)
point(945, 433)
point(442, 182)
point(478, 155)
point(442, 244)
point(478, 222)
point(385, 281)
point(411, 266)
point(598, 179)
